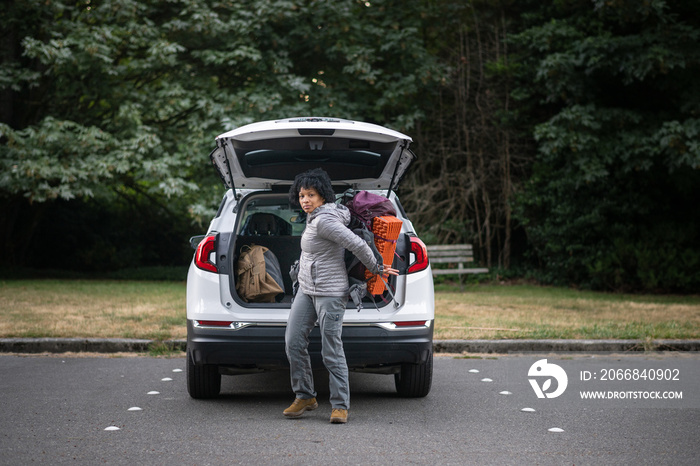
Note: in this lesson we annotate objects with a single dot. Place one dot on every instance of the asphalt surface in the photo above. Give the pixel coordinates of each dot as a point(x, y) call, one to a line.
point(56, 410)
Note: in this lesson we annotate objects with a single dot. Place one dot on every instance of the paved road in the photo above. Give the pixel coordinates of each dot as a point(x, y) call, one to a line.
point(55, 410)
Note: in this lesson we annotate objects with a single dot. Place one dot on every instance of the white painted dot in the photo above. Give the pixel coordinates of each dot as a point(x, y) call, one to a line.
point(486, 380)
point(556, 429)
point(474, 371)
point(153, 393)
point(112, 428)
point(505, 393)
point(166, 379)
point(135, 408)
point(177, 370)
point(528, 410)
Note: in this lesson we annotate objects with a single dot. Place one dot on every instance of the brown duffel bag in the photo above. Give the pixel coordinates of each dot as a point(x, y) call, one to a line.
point(254, 282)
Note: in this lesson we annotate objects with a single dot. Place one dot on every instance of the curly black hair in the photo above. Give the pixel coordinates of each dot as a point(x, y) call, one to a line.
point(316, 178)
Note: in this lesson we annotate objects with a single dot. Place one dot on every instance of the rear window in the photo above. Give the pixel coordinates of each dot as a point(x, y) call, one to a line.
point(221, 207)
point(342, 158)
point(270, 215)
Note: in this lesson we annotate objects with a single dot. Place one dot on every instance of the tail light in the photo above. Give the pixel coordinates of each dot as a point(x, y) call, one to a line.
point(202, 258)
point(420, 252)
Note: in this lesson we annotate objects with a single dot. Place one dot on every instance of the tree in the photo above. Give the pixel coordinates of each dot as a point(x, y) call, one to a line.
point(473, 156)
point(610, 201)
point(119, 101)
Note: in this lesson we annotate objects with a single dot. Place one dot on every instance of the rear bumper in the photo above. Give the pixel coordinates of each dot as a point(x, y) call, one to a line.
point(368, 347)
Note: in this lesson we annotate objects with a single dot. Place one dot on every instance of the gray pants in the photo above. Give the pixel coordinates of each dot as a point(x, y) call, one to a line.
point(329, 311)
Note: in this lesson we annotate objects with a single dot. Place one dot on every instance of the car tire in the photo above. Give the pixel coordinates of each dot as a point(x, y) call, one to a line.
point(415, 380)
point(203, 380)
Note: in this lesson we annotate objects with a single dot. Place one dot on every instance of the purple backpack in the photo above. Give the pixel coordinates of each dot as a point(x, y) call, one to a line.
point(364, 206)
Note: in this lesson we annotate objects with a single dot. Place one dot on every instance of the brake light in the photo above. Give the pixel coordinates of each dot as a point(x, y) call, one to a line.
point(202, 257)
point(420, 252)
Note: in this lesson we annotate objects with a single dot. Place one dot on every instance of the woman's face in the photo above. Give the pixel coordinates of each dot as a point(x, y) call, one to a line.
point(310, 199)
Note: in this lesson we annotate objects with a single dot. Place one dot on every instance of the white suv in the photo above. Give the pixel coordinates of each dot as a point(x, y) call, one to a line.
point(257, 163)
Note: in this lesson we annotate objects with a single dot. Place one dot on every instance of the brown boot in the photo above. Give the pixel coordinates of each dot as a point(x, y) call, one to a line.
point(299, 406)
point(339, 416)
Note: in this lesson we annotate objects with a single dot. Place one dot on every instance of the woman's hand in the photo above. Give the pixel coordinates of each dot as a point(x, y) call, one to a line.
point(389, 271)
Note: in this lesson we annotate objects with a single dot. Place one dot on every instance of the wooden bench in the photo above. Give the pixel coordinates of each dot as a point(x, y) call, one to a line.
point(458, 254)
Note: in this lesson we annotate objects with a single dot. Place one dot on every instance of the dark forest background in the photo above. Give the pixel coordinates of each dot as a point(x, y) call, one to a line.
point(560, 137)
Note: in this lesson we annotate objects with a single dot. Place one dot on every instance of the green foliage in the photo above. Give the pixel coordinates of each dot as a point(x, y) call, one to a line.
point(610, 203)
point(471, 153)
point(567, 129)
point(134, 92)
point(61, 159)
point(121, 99)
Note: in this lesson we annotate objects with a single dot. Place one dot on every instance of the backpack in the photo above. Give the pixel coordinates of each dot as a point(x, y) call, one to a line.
point(258, 275)
point(364, 207)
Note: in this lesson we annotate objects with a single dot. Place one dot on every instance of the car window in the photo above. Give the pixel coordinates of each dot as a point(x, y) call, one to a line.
point(270, 216)
point(221, 207)
point(401, 210)
point(342, 158)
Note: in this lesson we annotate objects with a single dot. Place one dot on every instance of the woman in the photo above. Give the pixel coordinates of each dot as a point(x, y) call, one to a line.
point(323, 292)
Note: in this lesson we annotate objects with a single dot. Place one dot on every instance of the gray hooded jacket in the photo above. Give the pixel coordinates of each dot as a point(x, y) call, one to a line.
point(323, 244)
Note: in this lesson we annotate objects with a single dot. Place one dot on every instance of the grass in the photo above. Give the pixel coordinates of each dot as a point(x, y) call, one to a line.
point(92, 308)
point(156, 311)
point(528, 311)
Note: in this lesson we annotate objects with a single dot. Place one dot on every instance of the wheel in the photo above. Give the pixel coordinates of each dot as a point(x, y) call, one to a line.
point(414, 380)
point(203, 380)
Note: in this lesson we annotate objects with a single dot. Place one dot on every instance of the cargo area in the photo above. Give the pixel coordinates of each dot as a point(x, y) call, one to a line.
point(268, 220)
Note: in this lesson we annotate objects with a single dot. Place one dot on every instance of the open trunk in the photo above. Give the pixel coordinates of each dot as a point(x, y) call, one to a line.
point(267, 219)
point(270, 153)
